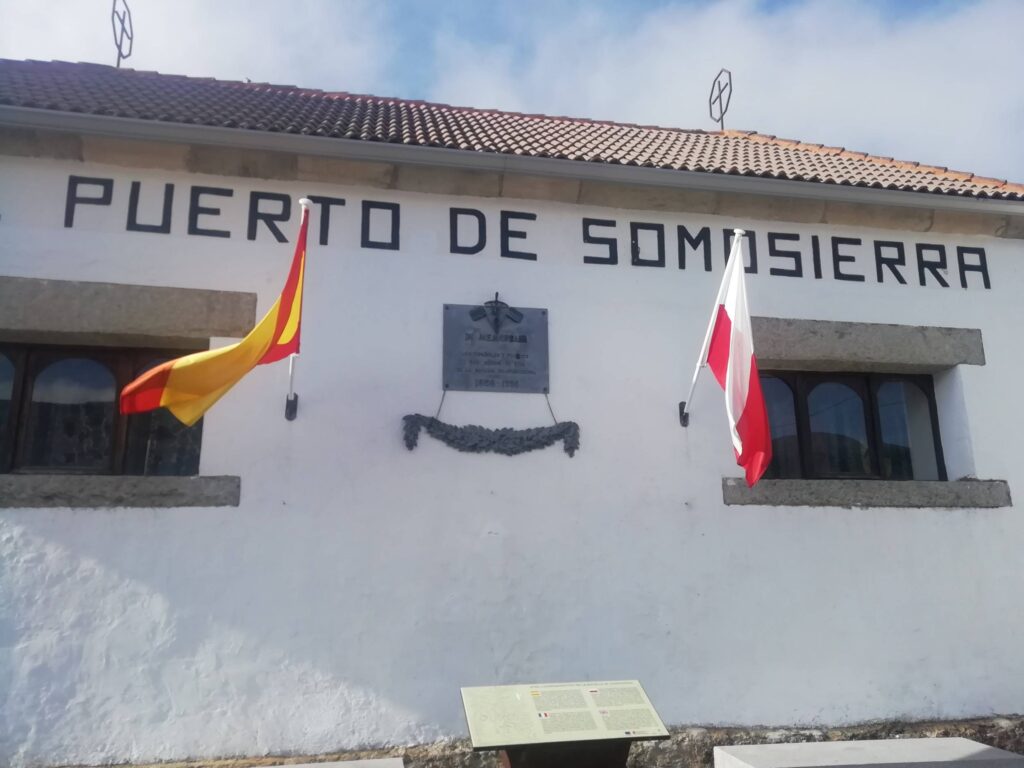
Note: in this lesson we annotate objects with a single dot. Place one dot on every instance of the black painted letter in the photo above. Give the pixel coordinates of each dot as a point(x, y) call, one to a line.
point(508, 233)
point(391, 244)
point(842, 258)
point(270, 219)
point(703, 239)
point(73, 198)
point(195, 210)
point(797, 270)
point(924, 264)
point(635, 228)
point(164, 227)
point(453, 230)
point(981, 266)
point(751, 248)
point(325, 204)
point(611, 242)
point(892, 262)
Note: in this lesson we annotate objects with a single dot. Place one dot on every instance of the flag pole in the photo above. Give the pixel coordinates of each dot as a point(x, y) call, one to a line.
point(684, 406)
point(291, 401)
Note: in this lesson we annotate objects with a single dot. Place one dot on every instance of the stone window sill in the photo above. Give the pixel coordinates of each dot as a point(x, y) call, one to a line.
point(915, 494)
point(108, 491)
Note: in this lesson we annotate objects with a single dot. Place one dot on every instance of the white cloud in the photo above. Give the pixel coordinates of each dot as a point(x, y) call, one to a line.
point(316, 43)
point(940, 87)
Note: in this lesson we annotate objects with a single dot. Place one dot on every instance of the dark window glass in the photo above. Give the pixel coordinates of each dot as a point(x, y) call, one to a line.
point(6, 391)
point(782, 422)
point(159, 444)
point(905, 426)
point(71, 415)
point(838, 430)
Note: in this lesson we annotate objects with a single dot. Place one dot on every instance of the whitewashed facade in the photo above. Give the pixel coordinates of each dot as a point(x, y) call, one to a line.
point(358, 584)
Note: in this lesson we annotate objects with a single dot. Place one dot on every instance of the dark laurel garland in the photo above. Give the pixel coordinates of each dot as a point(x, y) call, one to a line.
point(474, 439)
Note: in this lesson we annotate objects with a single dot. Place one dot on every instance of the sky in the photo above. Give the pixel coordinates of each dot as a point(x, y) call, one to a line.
point(934, 81)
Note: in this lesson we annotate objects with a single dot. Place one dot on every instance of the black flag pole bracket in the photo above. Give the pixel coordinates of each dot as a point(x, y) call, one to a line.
point(684, 416)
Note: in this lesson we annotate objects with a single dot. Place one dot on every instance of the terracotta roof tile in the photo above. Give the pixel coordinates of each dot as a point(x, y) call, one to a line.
point(102, 90)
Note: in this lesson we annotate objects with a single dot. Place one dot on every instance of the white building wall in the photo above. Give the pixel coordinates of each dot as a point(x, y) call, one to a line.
point(359, 584)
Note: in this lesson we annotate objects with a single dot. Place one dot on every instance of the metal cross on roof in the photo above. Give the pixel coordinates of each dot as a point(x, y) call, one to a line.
point(121, 23)
point(721, 94)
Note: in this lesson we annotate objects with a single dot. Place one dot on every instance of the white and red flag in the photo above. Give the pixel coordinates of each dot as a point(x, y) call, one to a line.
point(729, 352)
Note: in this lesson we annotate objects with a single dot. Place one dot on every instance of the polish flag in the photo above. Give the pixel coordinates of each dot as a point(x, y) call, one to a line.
point(730, 355)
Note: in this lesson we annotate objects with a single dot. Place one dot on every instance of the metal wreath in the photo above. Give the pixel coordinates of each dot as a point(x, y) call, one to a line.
point(476, 439)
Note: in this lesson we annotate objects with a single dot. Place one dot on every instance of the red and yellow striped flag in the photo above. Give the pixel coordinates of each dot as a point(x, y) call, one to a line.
point(189, 385)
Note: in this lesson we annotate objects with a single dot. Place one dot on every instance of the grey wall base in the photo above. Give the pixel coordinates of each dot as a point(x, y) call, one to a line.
point(958, 494)
point(104, 491)
point(688, 747)
point(953, 752)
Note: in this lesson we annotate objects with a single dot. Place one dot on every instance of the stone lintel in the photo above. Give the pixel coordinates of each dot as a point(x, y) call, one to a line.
point(646, 198)
point(881, 216)
point(526, 187)
point(958, 494)
point(135, 153)
point(448, 181)
point(340, 170)
point(108, 312)
point(108, 491)
point(826, 345)
point(243, 163)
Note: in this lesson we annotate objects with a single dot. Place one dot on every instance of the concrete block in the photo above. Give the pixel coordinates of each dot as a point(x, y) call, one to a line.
point(772, 208)
point(525, 187)
point(647, 198)
point(341, 171)
point(905, 753)
point(826, 345)
point(967, 223)
point(29, 142)
point(900, 494)
point(136, 154)
point(1014, 228)
point(882, 216)
point(246, 163)
point(119, 313)
point(109, 491)
point(448, 181)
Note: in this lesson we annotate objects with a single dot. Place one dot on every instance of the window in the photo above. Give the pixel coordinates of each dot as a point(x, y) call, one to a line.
point(855, 426)
point(58, 413)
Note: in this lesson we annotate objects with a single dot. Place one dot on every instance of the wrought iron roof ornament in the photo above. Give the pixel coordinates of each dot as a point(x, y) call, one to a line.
point(121, 24)
point(720, 96)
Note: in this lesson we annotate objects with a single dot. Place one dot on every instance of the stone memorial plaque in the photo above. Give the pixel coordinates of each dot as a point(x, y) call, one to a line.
point(506, 716)
point(493, 347)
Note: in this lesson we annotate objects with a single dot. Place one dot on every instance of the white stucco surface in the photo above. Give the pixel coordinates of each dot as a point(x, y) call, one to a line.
point(359, 584)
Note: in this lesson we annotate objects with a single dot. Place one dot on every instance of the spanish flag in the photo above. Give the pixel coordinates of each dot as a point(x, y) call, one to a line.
point(189, 385)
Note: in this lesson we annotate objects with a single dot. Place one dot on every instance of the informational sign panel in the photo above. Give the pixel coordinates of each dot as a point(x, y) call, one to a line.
point(519, 715)
point(493, 347)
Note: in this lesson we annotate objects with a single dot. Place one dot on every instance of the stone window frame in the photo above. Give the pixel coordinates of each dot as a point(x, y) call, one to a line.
point(113, 315)
point(828, 346)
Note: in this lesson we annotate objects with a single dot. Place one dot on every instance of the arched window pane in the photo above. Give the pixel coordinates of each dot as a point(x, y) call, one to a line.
point(71, 416)
point(908, 444)
point(839, 440)
point(782, 422)
point(6, 390)
point(159, 444)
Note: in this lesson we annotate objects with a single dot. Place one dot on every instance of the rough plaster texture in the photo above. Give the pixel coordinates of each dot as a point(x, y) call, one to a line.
point(816, 345)
point(116, 313)
point(105, 491)
point(435, 180)
point(357, 585)
point(965, 494)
